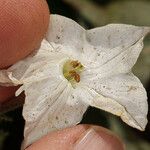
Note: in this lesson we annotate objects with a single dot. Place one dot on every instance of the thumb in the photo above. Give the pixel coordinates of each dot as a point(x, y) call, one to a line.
point(23, 25)
point(81, 137)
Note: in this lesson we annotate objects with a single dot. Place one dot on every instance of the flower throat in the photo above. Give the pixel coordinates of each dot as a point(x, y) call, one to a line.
point(72, 70)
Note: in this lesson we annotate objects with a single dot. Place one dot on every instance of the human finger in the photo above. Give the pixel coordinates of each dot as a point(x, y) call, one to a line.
point(23, 24)
point(81, 137)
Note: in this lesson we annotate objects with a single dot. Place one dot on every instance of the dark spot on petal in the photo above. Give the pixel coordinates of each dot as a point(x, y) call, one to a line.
point(123, 58)
point(58, 37)
point(66, 122)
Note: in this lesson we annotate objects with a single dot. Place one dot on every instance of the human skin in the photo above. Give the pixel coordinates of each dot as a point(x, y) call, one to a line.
point(23, 25)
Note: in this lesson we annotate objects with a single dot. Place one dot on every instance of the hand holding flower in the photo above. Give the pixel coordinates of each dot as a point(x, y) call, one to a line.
point(75, 68)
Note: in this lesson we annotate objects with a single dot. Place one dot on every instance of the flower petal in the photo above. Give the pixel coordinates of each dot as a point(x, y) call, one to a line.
point(36, 67)
point(66, 32)
point(104, 44)
point(122, 95)
point(116, 35)
point(50, 106)
point(118, 61)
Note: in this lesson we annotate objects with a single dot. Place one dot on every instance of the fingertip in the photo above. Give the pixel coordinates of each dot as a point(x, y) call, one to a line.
point(81, 137)
point(62, 139)
point(23, 25)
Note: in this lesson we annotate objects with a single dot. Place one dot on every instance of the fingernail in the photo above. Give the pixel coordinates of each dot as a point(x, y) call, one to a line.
point(92, 140)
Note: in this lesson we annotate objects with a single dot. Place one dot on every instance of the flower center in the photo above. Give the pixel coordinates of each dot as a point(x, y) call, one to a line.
point(72, 70)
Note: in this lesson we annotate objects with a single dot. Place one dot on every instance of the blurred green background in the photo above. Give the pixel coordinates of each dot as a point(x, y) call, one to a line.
point(93, 13)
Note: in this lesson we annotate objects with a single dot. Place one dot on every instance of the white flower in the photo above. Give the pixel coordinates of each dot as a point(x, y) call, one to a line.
point(76, 68)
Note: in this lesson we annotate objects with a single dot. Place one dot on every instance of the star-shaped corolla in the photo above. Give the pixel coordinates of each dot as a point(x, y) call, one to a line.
point(76, 68)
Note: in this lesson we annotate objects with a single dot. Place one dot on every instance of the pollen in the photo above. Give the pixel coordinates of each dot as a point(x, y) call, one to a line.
point(72, 70)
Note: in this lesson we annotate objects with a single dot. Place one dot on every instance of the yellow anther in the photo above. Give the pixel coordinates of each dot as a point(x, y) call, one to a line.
point(72, 70)
point(77, 78)
point(75, 63)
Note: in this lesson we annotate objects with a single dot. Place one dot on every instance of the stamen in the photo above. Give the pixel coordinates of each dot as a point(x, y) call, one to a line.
point(77, 78)
point(75, 64)
point(72, 70)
